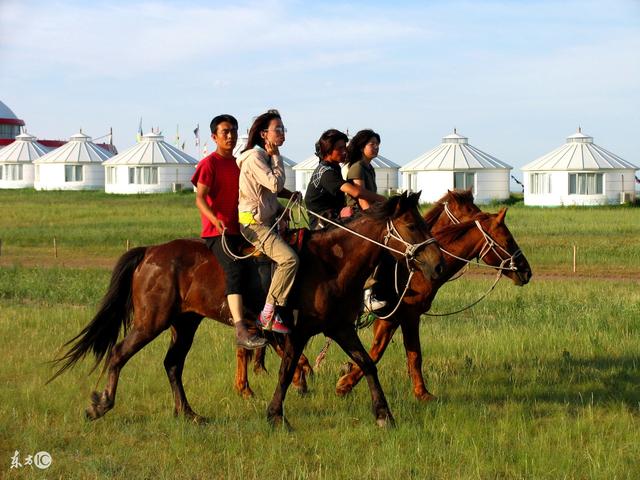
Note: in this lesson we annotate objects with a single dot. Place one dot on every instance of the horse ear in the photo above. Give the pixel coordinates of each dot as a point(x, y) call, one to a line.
point(414, 198)
point(501, 214)
point(393, 204)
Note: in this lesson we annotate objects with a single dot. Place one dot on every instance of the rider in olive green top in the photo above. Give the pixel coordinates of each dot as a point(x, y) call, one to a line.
point(363, 148)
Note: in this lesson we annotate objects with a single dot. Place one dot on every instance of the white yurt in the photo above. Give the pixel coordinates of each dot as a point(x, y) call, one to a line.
point(16, 161)
point(579, 173)
point(455, 164)
point(76, 165)
point(290, 179)
point(386, 173)
point(150, 166)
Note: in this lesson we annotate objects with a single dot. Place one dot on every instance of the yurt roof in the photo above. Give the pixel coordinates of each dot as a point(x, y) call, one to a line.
point(455, 153)
point(579, 153)
point(6, 112)
point(79, 149)
point(152, 150)
point(311, 163)
point(242, 143)
point(25, 148)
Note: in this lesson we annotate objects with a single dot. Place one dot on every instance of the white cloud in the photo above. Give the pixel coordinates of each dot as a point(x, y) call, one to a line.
point(126, 40)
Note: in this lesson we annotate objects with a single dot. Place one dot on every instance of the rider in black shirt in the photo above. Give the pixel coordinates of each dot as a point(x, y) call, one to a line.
point(326, 191)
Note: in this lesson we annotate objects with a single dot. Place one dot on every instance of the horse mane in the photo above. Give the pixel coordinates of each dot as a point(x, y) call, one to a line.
point(451, 233)
point(460, 196)
point(464, 197)
point(431, 217)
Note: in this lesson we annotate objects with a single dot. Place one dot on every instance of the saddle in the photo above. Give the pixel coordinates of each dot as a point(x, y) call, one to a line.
point(295, 238)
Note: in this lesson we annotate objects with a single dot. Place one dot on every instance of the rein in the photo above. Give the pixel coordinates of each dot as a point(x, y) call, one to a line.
point(229, 252)
point(489, 245)
point(392, 232)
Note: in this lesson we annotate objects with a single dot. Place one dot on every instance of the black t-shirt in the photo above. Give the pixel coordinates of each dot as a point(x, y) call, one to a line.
point(323, 192)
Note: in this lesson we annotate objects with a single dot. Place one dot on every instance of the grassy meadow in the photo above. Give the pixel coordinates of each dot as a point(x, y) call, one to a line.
point(541, 381)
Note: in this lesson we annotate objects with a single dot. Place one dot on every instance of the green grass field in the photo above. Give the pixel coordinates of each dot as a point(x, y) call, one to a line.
point(541, 381)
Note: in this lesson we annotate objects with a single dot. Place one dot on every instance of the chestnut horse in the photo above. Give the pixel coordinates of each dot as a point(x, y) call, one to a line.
point(466, 240)
point(176, 284)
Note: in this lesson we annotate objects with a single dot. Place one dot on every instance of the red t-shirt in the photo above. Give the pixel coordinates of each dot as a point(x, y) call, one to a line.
point(221, 175)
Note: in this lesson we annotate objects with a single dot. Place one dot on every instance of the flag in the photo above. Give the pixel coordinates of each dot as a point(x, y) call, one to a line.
point(177, 136)
point(196, 132)
point(139, 134)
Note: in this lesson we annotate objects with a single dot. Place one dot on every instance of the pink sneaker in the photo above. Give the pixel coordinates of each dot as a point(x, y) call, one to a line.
point(272, 323)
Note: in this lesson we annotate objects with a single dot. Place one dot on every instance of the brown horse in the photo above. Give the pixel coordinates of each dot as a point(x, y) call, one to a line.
point(465, 240)
point(175, 285)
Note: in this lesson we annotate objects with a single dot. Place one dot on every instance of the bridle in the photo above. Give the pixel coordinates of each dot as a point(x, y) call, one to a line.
point(410, 250)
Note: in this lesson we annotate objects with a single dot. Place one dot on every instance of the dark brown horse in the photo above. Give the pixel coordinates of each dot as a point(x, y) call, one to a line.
point(465, 240)
point(175, 285)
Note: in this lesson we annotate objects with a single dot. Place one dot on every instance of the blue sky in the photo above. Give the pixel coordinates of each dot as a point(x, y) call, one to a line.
point(516, 77)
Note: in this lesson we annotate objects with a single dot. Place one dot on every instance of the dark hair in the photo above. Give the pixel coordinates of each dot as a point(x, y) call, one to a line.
point(259, 124)
point(327, 142)
point(225, 117)
point(357, 144)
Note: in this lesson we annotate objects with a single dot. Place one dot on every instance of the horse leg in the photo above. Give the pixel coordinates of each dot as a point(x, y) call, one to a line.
point(382, 334)
point(410, 326)
point(293, 346)
point(120, 354)
point(243, 356)
point(351, 344)
point(182, 332)
point(258, 360)
point(303, 368)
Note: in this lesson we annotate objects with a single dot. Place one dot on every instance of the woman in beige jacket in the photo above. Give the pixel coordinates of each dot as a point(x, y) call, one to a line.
point(261, 183)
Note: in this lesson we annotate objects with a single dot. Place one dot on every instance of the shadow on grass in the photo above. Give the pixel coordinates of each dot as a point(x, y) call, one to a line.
point(566, 381)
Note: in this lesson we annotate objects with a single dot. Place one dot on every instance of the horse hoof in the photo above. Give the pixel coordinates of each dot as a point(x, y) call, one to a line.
point(386, 422)
point(279, 422)
point(302, 389)
point(96, 398)
point(426, 397)
point(259, 370)
point(92, 413)
point(345, 368)
point(343, 387)
point(197, 419)
point(191, 417)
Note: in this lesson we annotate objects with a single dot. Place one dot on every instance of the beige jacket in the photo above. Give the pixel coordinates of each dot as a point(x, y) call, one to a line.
point(261, 178)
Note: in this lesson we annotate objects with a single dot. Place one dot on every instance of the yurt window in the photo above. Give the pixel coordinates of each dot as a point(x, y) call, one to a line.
point(464, 180)
point(9, 131)
point(143, 175)
point(111, 175)
point(540, 183)
point(73, 173)
point(13, 171)
point(585, 183)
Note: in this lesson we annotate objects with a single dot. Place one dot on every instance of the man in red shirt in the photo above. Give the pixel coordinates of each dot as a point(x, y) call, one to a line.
point(216, 180)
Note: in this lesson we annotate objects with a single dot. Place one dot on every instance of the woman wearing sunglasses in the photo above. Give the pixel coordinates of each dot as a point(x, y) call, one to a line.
point(262, 180)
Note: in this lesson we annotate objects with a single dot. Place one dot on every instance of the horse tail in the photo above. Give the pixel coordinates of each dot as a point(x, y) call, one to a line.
point(101, 334)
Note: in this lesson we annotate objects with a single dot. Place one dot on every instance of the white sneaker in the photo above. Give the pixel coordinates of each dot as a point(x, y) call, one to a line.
point(371, 303)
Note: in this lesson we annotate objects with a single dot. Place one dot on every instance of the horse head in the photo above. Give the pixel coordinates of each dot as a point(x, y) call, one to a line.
point(501, 249)
point(454, 207)
point(408, 232)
